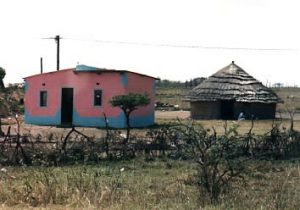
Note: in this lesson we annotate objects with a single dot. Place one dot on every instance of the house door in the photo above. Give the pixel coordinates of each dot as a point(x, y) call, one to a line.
point(66, 106)
point(227, 109)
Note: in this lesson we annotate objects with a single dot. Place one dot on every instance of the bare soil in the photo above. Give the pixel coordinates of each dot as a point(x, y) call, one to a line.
point(160, 116)
point(169, 115)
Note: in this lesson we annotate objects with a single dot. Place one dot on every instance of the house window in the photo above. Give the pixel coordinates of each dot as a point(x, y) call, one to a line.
point(43, 98)
point(97, 97)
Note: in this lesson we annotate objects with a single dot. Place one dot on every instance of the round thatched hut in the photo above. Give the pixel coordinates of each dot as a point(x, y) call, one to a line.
point(230, 91)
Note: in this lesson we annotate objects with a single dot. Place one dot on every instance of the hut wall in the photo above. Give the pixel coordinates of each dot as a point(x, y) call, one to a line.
point(242, 107)
point(205, 110)
point(258, 110)
point(212, 110)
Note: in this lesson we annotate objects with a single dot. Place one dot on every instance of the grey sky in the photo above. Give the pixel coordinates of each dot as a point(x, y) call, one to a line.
point(254, 24)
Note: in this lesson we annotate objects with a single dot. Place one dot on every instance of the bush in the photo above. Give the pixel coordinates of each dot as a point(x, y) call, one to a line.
point(219, 158)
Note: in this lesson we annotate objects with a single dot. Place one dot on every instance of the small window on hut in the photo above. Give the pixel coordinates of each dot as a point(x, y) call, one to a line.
point(43, 98)
point(97, 97)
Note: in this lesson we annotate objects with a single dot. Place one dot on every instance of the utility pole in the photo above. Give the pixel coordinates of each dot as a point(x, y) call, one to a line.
point(57, 39)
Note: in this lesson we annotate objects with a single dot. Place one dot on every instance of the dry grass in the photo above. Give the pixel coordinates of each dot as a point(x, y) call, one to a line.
point(291, 96)
point(144, 185)
point(260, 126)
point(158, 184)
point(134, 185)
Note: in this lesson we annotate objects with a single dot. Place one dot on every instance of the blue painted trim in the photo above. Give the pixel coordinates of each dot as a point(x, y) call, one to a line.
point(124, 79)
point(115, 122)
point(142, 121)
point(85, 68)
point(43, 120)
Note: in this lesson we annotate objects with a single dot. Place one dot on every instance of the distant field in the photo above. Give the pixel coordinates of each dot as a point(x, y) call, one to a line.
point(291, 97)
point(173, 96)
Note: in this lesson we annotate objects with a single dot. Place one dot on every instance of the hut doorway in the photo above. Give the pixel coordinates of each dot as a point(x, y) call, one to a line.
point(227, 109)
point(67, 106)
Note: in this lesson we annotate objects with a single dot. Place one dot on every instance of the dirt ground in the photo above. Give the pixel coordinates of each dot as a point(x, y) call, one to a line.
point(47, 130)
point(168, 115)
point(186, 115)
point(160, 116)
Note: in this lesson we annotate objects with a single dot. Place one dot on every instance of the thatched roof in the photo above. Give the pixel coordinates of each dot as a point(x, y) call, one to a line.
point(232, 83)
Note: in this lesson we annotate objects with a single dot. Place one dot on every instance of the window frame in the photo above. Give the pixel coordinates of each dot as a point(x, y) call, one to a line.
point(95, 99)
point(43, 102)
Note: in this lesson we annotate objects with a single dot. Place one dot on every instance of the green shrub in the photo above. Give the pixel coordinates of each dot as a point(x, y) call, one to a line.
point(219, 158)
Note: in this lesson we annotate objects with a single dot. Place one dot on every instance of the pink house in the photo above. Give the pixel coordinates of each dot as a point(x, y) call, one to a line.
point(80, 97)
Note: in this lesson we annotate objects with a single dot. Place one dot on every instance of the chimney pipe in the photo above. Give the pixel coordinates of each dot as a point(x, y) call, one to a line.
point(41, 62)
point(232, 62)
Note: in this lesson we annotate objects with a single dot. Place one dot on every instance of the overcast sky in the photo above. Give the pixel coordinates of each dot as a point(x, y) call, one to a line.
point(170, 39)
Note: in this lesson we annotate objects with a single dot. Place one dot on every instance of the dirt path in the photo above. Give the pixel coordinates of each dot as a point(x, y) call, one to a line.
point(172, 115)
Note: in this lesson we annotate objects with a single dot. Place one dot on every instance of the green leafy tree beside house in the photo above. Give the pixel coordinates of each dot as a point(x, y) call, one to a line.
point(128, 103)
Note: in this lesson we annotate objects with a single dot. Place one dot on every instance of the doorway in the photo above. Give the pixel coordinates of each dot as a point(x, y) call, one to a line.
point(67, 106)
point(227, 109)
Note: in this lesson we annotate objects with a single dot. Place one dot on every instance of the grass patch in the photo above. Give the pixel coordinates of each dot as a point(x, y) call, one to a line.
point(137, 184)
point(121, 185)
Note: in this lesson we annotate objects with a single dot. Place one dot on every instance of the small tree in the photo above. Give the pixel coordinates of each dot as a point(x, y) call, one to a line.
point(128, 103)
point(2, 75)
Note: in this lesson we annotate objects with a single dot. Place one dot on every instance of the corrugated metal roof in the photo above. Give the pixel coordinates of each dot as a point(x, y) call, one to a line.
point(81, 67)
